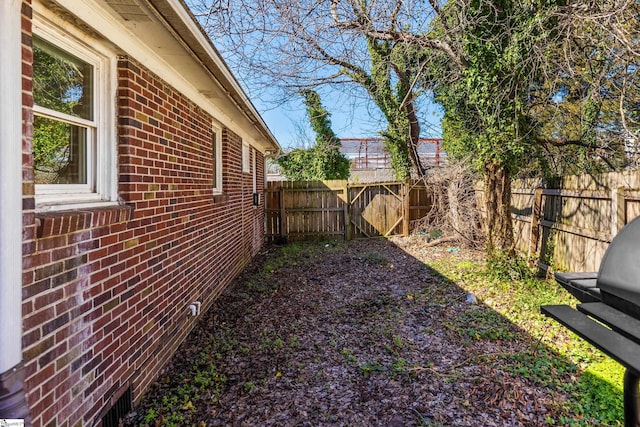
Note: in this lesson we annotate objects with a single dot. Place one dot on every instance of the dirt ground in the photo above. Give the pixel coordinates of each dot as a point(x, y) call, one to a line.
point(356, 334)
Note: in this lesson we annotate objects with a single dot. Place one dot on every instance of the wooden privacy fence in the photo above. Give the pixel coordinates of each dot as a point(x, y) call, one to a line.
point(301, 210)
point(570, 227)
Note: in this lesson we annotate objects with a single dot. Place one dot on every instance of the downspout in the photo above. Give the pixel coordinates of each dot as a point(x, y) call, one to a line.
point(12, 396)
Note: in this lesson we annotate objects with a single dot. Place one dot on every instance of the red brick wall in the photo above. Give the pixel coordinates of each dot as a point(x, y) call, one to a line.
point(106, 291)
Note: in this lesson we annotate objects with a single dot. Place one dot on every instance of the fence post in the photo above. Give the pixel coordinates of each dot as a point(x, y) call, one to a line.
point(283, 213)
point(406, 208)
point(536, 214)
point(618, 210)
point(347, 212)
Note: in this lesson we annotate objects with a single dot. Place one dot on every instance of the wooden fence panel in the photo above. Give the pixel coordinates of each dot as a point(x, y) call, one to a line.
point(570, 228)
point(630, 205)
point(338, 209)
point(575, 252)
point(272, 214)
point(420, 202)
point(522, 205)
point(576, 228)
point(301, 210)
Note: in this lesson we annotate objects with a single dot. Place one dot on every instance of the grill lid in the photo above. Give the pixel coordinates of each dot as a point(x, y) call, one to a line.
point(619, 275)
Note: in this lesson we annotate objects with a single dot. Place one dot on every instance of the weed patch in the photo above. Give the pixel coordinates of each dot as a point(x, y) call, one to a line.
point(556, 358)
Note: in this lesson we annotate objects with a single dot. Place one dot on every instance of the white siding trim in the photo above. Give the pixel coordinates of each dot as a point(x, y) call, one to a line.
point(246, 154)
point(254, 169)
point(217, 159)
point(10, 184)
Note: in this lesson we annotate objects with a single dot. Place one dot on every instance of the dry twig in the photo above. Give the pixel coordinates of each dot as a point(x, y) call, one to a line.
point(453, 215)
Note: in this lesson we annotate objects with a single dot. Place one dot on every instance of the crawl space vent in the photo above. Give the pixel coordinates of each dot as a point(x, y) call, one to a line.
point(120, 408)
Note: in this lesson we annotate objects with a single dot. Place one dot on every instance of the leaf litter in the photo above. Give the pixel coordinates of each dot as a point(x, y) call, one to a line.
point(359, 333)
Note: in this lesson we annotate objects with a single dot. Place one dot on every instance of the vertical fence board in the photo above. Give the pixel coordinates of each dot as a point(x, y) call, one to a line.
point(570, 227)
point(338, 209)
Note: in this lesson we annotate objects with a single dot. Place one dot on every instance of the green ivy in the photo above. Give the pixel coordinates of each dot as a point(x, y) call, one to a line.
point(324, 160)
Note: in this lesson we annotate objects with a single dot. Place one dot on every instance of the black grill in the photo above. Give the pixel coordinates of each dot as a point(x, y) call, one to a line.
point(617, 283)
point(609, 314)
point(619, 275)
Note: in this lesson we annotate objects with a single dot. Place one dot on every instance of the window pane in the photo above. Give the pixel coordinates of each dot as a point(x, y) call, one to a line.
point(245, 158)
point(214, 163)
point(59, 151)
point(61, 81)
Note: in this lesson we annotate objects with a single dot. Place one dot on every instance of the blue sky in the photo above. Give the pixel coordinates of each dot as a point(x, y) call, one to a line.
point(353, 115)
point(349, 119)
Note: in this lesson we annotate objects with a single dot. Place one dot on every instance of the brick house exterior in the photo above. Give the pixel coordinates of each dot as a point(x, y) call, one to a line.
point(107, 277)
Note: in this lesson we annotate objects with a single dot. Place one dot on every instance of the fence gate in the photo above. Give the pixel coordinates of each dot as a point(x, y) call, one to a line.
point(376, 209)
point(298, 210)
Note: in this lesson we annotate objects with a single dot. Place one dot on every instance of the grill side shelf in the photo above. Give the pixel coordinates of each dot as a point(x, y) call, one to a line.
point(618, 347)
point(618, 321)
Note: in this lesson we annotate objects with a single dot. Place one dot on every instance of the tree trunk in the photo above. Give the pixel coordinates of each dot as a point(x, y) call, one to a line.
point(498, 222)
point(414, 139)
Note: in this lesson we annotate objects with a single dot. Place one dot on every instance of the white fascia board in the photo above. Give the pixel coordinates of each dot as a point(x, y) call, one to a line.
point(181, 10)
point(187, 19)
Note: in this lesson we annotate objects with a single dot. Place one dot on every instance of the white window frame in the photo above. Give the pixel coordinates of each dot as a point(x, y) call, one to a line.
point(101, 186)
point(216, 152)
point(246, 157)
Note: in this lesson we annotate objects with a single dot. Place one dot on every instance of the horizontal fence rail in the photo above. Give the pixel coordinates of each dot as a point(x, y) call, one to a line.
point(303, 210)
point(569, 228)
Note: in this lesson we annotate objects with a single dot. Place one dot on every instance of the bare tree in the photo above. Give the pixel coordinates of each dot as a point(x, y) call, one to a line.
point(514, 78)
point(596, 70)
point(306, 44)
point(505, 73)
point(453, 216)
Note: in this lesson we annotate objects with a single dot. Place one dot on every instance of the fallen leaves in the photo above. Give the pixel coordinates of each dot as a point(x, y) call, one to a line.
point(366, 333)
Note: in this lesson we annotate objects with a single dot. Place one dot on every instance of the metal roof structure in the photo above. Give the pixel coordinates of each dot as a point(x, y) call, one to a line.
point(369, 153)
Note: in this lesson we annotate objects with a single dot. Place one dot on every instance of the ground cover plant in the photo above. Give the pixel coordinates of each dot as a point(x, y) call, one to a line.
point(382, 332)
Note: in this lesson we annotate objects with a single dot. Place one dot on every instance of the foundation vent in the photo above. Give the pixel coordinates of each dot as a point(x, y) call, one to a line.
point(120, 408)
